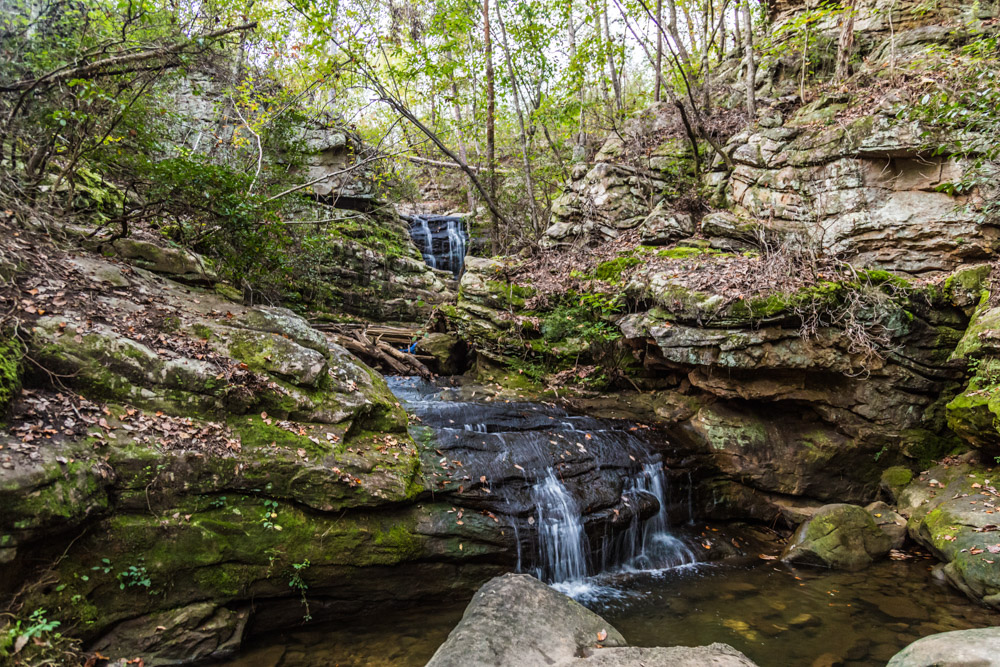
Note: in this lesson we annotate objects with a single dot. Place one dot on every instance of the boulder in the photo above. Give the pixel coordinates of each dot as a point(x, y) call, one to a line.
point(446, 352)
point(962, 648)
point(894, 480)
point(889, 522)
point(517, 620)
point(663, 226)
point(950, 513)
point(177, 262)
point(839, 536)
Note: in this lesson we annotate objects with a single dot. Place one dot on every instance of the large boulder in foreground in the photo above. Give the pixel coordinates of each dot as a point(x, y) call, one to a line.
point(517, 620)
point(961, 648)
point(843, 537)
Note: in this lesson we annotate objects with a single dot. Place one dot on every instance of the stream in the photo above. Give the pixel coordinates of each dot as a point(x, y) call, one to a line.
point(599, 514)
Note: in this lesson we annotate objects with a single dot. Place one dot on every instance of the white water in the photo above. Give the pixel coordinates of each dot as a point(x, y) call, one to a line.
point(654, 547)
point(562, 545)
point(427, 241)
point(456, 245)
point(448, 235)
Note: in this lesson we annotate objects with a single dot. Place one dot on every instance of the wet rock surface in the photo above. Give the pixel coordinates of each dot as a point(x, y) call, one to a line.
point(951, 510)
point(517, 620)
point(961, 648)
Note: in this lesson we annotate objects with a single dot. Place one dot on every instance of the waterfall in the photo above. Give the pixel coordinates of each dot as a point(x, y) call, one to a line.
point(456, 245)
point(562, 547)
point(656, 547)
point(442, 241)
point(426, 241)
point(580, 496)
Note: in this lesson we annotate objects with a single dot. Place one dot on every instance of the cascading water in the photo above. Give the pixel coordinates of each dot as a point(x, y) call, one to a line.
point(653, 546)
point(420, 232)
point(580, 496)
point(442, 241)
point(562, 545)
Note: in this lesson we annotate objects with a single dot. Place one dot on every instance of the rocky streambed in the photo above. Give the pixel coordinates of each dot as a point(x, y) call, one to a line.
point(670, 579)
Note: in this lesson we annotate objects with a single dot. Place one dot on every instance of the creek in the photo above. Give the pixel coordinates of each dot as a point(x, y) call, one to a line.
point(598, 511)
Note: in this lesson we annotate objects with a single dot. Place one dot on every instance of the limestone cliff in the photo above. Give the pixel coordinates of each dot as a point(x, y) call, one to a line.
point(798, 325)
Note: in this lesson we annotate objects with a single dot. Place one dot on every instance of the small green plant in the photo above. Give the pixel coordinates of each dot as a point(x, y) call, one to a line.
point(35, 641)
point(296, 582)
point(270, 516)
point(105, 566)
point(135, 576)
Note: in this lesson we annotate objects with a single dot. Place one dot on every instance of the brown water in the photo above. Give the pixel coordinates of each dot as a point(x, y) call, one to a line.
point(778, 616)
point(782, 616)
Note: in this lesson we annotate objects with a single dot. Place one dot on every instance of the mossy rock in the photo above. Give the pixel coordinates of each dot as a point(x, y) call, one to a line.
point(838, 536)
point(11, 367)
point(894, 480)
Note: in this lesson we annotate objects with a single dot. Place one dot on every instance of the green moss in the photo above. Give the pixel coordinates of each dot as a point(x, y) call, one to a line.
point(611, 271)
point(228, 292)
point(896, 478)
point(687, 252)
point(11, 366)
point(256, 433)
point(202, 331)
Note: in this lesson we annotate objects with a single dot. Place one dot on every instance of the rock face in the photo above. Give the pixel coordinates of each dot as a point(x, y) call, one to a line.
point(973, 413)
point(961, 648)
point(767, 389)
point(619, 193)
point(839, 536)
point(516, 620)
point(445, 352)
point(368, 265)
point(949, 510)
point(218, 453)
point(766, 414)
point(863, 191)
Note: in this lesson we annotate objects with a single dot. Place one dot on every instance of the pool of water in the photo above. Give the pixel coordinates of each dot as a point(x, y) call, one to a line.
point(779, 615)
point(775, 614)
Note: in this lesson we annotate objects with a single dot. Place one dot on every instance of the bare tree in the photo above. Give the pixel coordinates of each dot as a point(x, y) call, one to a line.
point(490, 116)
point(520, 121)
point(659, 49)
point(846, 42)
point(616, 83)
point(751, 71)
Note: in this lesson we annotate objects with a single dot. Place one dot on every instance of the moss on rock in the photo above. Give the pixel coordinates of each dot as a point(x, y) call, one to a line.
point(11, 359)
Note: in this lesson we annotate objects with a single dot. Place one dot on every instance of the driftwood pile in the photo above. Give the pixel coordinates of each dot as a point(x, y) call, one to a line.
point(378, 347)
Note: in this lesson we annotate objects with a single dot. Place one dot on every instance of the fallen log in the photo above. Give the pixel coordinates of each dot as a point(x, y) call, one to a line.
point(378, 354)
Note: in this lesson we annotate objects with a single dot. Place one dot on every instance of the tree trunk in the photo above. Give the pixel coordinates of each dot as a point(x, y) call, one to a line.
point(612, 70)
point(846, 42)
point(571, 38)
point(675, 35)
point(491, 176)
point(751, 63)
point(456, 112)
point(659, 48)
point(520, 121)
